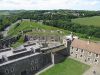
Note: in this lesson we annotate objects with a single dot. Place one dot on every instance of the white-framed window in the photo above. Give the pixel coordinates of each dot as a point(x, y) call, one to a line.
point(95, 60)
point(81, 55)
point(71, 47)
point(97, 55)
point(82, 50)
point(90, 53)
point(76, 49)
point(89, 59)
point(76, 55)
point(71, 52)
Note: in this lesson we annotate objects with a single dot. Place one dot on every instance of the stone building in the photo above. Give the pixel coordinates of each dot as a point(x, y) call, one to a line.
point(85, 51)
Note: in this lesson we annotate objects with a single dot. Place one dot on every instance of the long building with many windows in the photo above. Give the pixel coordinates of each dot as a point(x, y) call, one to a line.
point(85, 51)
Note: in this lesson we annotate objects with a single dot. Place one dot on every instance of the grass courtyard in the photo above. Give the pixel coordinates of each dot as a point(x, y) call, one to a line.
point(68, 67)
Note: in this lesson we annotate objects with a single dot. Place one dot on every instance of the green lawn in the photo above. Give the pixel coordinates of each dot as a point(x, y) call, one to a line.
point(68, 67)
point(95, 21)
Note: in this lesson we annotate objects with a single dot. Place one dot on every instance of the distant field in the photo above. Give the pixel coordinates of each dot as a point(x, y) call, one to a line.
point(68, 67)
point(4, 13)
point(95, 21)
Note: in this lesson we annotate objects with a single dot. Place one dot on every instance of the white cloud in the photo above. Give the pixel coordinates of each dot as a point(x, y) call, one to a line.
point(49, 4)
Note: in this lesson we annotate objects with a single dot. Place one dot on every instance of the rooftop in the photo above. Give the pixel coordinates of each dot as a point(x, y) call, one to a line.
point(86, 45)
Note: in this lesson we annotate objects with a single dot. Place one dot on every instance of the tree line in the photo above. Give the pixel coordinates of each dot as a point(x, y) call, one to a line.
point(83, 29)
point(56, 18)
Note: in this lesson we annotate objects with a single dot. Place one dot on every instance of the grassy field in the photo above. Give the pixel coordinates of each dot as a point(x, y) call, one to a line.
point(27, 25)
point(68, 67)
point(95, 21)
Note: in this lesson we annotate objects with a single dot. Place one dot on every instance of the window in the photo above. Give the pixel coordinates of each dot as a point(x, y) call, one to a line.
point(77, 49)
point(32, 62)
point(36, 61)
point(32, 68)
point(97, 55)
point(7, 71)
point(71, 52)
point(89, 59)
point(72, 47)
point(82, 50)
point(12, 69)
point(96, 60)
point(80, 55)
point(90, 53)
point(76, 56)
point(85, 60)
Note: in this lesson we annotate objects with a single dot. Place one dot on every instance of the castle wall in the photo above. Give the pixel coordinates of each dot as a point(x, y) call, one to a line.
point(28, 66)
point(60, 56)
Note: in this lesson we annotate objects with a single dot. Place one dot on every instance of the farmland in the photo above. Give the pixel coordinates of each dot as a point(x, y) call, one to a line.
point(91, 21)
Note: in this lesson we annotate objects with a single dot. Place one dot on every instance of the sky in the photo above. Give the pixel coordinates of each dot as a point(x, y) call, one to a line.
point(49, 4)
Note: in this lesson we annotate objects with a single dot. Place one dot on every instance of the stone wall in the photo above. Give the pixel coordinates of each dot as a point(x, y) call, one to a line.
point(28, 66)
point(85, 56)
point(60, 56)
point(6, 42)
